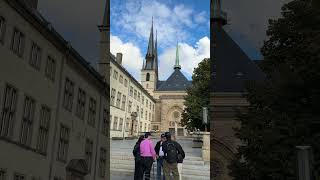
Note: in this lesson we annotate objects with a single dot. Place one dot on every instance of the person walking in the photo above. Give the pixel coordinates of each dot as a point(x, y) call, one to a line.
point(173, 154)
point(148, 155)
point(138, 174)
point(160, 156)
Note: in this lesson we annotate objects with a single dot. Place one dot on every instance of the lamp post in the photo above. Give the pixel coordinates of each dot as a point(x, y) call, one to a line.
point(304, 158)
point(205, 117)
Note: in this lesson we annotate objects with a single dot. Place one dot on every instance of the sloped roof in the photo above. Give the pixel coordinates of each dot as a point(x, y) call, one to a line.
point(232, 68)
point(176, 82)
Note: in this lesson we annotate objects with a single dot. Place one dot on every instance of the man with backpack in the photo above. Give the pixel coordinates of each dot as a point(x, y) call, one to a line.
point(173, 154)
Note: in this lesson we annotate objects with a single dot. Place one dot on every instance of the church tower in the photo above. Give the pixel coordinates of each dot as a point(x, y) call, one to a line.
point(149, 71)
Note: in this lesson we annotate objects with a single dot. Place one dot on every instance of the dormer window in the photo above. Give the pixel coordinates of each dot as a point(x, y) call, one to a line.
point(148, 77)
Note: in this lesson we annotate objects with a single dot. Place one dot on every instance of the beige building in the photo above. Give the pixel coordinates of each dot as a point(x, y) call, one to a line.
point(169, 94)
point(149, 105)
point(132, 108)
point(54, 106)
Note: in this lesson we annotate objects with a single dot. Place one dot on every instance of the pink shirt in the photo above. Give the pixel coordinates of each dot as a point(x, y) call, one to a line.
point(146, 149)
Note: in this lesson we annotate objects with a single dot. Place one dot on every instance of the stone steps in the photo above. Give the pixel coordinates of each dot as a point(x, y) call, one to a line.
point(193, 168)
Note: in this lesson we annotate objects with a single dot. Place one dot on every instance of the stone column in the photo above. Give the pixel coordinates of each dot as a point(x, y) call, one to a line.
point(206, 146)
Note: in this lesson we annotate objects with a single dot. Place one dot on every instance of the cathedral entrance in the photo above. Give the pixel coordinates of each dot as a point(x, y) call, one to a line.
point(172, 131)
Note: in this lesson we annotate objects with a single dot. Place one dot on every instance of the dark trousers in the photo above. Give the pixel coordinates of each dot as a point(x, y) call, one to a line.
point(138, 174)
point(160, 168)
point(146, 167)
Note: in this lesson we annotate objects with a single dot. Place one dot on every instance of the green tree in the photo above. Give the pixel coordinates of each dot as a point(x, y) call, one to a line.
point(197, 97)
point(284, 109)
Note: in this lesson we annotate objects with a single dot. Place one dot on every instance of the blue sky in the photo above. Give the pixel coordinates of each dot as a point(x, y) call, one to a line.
point(248, 21)
point(185, 21)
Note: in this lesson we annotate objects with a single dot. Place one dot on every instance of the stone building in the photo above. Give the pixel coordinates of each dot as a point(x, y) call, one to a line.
point(231, 69)
point(168, 94)
point(54, 106)
point(132, 108)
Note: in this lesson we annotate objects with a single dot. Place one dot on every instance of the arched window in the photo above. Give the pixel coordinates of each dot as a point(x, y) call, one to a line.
point(148, 77)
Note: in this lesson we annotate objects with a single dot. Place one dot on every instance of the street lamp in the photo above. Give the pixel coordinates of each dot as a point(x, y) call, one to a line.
point(205, 117)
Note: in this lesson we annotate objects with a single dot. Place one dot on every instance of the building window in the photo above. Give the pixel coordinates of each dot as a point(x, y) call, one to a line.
point(140, 127)
point(118, 100)
point(123, 103)
point(68, 94)
point(115, 123)
point(129, 106)
point(19, 177)
point(121, 79)
point(105, 122)
point(138, 110)
point(113, 94)
point(145, 127)
point(131, 91)
point(63, 143)
point(81, 103)
point(146, 116)
point(120, 124)
point(147, 103)
point(2, 30)
point(8, 111)
point(92, 112)
point(141, 112)
point(45, 116)
point(3, 174)
point(127, 124)
point(110, 71)
point(135, 94)
point(139, 96)
point(150, 105)
point(27, 121)
point(35, 56)
point(115, 74)
point(88, 153)
point(125, 83)
point(17, 45)
point(142, 101)
point(153, 107)
point(149, 116)
point(50, 68)
point(148, 77)
point(102, 162)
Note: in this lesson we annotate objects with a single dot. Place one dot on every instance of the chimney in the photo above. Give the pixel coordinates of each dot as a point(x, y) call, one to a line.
point(119, 58)
point(32, 3)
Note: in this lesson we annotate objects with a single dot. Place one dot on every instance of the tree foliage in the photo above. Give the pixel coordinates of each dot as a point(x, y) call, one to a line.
point(284, 109)
point(197, 97)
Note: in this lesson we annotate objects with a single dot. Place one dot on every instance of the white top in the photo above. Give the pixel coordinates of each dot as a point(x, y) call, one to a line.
point(161, 153)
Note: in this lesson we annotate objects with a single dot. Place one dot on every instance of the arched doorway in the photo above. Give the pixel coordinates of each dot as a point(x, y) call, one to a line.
point(174, 117)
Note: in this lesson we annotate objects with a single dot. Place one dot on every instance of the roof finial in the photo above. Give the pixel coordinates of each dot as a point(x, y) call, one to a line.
point(177, 65)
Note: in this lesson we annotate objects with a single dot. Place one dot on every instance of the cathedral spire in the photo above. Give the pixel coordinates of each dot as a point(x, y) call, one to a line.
point(156, 53)
point(177, 65)
point(218, 15)
point(150, 51)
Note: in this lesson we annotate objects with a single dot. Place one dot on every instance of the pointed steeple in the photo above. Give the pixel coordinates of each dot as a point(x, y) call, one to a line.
point(177, 65)
point(155, 65)
point(151, 42)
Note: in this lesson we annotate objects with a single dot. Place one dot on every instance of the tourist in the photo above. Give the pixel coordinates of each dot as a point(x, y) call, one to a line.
point(138, 175)
point(160, 156)
point(148, 155)
point(179, 163)
point(173, 154)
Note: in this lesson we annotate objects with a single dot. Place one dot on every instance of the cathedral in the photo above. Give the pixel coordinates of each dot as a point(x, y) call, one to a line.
point(168, 94)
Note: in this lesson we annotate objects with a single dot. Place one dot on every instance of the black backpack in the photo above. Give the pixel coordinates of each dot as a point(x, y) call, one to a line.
point(171, 155)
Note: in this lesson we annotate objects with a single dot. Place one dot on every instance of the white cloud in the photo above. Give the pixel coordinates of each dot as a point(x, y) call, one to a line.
point(132, 58)
point(172, 23)
point(201, 17)
point(190, 56)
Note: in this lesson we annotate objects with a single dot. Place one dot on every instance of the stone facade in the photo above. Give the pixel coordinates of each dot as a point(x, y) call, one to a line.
point(132, 108)
point(54, 106)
